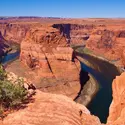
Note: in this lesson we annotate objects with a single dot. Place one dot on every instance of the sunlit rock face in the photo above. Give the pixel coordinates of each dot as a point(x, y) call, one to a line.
point(46, 51)
point(108, 42)
point(14, 32)
point(117, 108)
point(46, 109)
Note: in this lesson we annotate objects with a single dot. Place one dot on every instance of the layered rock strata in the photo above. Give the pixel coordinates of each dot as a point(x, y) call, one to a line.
point(46, 109)
point(45, 51)
point(4, 47)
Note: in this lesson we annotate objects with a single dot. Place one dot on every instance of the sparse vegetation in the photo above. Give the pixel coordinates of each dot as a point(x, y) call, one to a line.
point(87, 51)
point(11, 95)
point(81, 49)
point(14, 46)
point(2, 73)
point(84, 50)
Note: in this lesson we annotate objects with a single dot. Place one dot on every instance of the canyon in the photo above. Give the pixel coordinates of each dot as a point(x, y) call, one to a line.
point(48, 60)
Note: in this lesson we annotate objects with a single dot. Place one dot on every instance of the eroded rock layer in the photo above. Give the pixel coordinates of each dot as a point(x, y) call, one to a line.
point(108, 42)
point(117, 108)
point(4, 47)
point(45, 51)
point(46, 109)
point(14, 32)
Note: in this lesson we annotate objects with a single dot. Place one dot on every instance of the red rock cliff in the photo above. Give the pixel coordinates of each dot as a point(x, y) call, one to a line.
point(117, 108)
point(4, 47)
point(14, 32)
point(108, 42)
point(45, 50)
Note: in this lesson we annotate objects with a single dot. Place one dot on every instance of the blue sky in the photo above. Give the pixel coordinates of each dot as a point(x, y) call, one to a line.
point(63, 8)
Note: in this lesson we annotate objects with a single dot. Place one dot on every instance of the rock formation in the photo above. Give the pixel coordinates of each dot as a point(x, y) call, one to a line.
point(108, 43)
point(4, 47)
point(14, 32)
point(46, 109)
point(117, 108)
point(45, 51)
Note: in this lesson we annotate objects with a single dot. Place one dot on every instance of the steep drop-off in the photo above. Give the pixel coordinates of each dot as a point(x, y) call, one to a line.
point(45, 51)
point(4, 47)
point(46, 109)
point(63, 111)
point(14, 32)
point(104, 76)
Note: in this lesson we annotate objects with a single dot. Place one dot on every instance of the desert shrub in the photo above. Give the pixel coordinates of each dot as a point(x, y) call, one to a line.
point(3, 73)
point(84, 50)
point(87, 51)
point(11, 94)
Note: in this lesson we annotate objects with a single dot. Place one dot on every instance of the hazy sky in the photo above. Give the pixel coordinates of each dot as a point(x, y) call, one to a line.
point(63, 8)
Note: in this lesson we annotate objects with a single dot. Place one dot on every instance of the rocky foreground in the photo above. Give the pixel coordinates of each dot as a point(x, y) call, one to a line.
point(46, 109)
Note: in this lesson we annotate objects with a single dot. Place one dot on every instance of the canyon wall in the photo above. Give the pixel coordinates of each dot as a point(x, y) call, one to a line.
point(4, 47)
point(45, 50)
point(108, 42)
point(117, 108)
point(15, 32)
point(103, 37)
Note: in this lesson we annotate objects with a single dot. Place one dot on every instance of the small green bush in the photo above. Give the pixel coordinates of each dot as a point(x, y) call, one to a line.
point(3, 73)
point(11, 94)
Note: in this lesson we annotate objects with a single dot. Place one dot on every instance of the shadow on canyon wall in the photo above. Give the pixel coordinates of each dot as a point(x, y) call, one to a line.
point(83, 78)
point(4, 47)
point(64, 30)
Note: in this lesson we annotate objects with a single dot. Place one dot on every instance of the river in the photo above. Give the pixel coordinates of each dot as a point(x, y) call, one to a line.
point(104, 72)
point(10, 57)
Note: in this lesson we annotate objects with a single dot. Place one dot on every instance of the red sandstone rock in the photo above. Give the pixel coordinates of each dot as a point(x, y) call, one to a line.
point(108, 43)
point(117, 108)
point(4, 47)
point(52, 60)
point(46, 109)
point(14, 32)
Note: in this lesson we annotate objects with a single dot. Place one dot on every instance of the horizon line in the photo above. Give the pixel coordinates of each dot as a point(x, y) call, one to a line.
point(62, 17)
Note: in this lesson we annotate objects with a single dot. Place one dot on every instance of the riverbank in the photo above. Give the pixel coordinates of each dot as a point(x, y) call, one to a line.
point(84, 50)
point(104, 72)
point(11, 54)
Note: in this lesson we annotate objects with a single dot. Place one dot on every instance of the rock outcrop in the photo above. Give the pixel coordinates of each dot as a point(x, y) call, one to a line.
point(14, 32)
point(46, 109)
point(45, 51)
point(117, 108)
point(28, 85)
point(108, 43)
point(4, 47)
